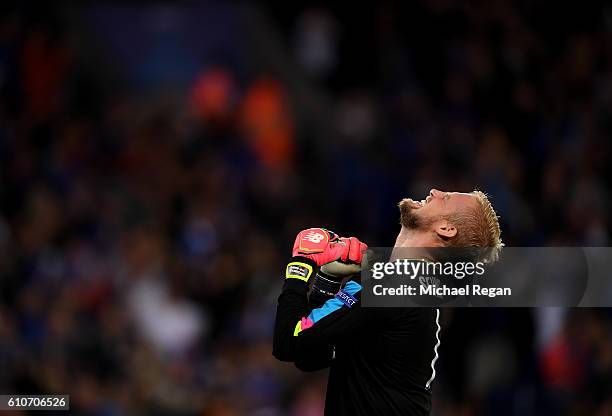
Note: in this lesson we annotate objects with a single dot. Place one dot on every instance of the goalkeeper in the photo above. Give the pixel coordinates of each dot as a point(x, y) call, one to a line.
point(382, 360)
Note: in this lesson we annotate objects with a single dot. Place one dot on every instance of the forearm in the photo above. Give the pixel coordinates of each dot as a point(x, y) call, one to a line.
point(292, 306)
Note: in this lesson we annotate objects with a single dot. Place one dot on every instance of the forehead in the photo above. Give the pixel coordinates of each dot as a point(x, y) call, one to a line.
point(461, 199)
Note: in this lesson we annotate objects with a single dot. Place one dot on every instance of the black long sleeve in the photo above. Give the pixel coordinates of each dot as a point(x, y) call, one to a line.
point(292, 306)
point(312, 347)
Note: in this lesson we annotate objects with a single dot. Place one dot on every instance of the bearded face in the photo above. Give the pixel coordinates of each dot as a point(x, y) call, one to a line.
point(418, 215)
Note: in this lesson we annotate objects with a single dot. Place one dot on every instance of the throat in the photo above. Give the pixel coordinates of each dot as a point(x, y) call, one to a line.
point(405, 239)
point(414, 239)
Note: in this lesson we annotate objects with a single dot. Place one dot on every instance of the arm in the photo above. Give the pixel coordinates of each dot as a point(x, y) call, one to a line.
point(308, 337)
point(292, 307)
point(295, 318)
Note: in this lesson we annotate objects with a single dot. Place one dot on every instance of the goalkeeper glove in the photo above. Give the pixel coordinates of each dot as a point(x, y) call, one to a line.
point(315, 247)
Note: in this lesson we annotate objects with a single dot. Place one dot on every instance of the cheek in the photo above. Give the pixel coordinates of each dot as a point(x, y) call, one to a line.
point(432, 209)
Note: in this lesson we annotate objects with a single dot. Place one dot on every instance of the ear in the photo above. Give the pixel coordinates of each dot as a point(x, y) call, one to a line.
point(445, 230)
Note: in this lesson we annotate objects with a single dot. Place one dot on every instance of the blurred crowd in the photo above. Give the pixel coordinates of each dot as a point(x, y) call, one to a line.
point(154, 170)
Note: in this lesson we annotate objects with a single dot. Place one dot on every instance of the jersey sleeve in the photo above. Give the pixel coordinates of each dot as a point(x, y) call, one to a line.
point(308, 337)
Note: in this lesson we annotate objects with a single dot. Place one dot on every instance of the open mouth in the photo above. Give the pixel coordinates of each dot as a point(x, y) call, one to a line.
point(415, 204)
point(418, 204)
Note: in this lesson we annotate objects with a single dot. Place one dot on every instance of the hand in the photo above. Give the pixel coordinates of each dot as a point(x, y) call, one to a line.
point(322, 246)
point(355, 250)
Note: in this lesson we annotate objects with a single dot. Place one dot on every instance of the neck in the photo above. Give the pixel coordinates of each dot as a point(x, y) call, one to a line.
point(414, 244)
point(410, 245)
point(409, 238)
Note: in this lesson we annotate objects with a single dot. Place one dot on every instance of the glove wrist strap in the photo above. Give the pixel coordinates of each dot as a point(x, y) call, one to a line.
point(325, 285)
point(300, 268)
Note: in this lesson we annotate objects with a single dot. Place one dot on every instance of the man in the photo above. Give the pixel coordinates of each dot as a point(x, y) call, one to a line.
point(382, 360)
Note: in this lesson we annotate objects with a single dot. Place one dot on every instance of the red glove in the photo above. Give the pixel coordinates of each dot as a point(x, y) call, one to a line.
point(355, 250)
point(323, 246)
point(319, 245)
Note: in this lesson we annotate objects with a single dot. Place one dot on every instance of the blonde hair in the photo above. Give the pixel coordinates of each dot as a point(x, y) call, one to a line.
point(478, 227)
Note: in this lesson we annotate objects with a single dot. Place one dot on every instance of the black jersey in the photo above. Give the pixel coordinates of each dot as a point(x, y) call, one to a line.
point(381, 360)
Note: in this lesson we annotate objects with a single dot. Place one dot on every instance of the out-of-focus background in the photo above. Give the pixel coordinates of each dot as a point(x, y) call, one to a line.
point(157, 160)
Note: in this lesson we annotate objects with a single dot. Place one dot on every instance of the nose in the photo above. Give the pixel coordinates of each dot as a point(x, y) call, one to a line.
point(436, 194)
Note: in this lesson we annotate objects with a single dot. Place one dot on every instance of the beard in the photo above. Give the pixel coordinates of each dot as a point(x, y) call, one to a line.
point(410, 218)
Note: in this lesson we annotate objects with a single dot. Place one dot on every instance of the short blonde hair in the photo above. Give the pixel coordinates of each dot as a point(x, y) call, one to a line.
point(478, 227)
